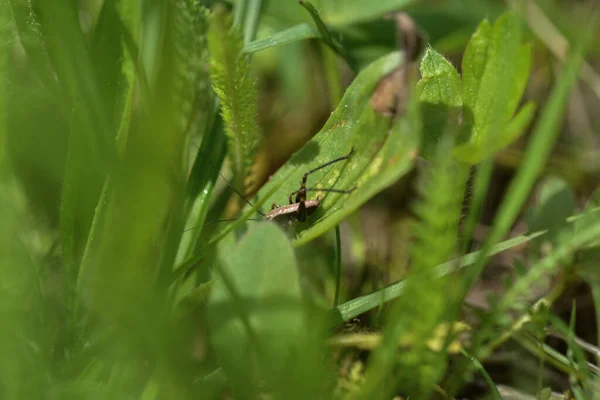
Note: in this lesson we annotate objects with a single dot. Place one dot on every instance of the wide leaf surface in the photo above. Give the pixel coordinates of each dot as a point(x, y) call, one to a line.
point(255, 307)
point(383, 154)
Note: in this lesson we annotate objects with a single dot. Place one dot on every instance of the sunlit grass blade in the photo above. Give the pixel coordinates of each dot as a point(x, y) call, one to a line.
point(326, 36)
point(355, 307)
point(298, 32)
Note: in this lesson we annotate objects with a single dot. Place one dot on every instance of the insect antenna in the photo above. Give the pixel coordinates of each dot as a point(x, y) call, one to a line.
point(236, 192)
point(230, 185)
point(331, 162)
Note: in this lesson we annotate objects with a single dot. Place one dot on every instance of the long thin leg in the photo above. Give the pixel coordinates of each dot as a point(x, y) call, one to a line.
point(332, 190)
point(302, 191)
point(328, 163)
point(292, 195)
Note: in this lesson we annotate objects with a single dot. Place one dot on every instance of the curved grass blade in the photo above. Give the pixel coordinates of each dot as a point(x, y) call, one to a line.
point(324, 31)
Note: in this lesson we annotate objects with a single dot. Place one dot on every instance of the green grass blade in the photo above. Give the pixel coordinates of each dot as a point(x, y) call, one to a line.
point(488, 379)
point(326, 36)
point(252, 19)
point(296, 33)
point(355, 307)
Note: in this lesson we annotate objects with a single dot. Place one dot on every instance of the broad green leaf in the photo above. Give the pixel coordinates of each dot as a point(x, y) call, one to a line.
point(440, 83)
point(495, 71)
point(474, 62)
point(440, 92)
point(538, 151)
point(382, 155)
point(473, 153)
point(254, 310)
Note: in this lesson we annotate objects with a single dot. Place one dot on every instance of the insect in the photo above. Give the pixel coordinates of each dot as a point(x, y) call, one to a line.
point(300, 208)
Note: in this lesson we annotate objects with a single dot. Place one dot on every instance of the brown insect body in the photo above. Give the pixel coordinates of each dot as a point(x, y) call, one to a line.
point(287, 213)
point(300, 208)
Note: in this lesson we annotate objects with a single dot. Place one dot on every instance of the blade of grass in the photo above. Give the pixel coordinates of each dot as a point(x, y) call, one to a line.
point(550, 355)
point(357, 306)
point(488, 379)
point(251, 20)
point(326, 36)
point(298, 32)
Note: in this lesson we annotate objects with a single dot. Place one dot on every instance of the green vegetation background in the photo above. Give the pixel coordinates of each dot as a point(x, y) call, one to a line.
point(128, 130)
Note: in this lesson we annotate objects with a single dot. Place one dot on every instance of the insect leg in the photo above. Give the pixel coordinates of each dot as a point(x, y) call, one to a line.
point(302, 191)
point(292, 195)
point(352, 189)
